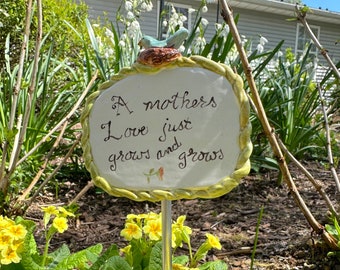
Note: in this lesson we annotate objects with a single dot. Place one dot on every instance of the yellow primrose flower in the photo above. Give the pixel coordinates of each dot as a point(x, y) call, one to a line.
point(18, 245)
point(17, 232)
point(9, 255)
point(181, 231)
point(5, 239)
point(60, 223)
point(131, 231)
point(50, 210)
point(62, 212)
point(213, 241)
point(154, 229)
point(132, 218)
point(152, 216)
point(5, 222)
point(179, 225)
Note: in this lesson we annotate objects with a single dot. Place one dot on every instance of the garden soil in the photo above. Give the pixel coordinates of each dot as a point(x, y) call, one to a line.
point(285, 239)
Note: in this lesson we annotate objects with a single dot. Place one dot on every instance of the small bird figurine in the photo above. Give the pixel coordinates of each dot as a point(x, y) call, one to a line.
point(174, 41)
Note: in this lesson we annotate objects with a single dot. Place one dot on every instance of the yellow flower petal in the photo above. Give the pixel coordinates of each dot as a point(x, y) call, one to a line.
point(130, 231)
point(51, 210)
point(62, 212)
point(5, 239)
point(154, 229)
point(17, 232)
point(9, 255)
point(60, 223)
point(213, 241)
point(5, 223)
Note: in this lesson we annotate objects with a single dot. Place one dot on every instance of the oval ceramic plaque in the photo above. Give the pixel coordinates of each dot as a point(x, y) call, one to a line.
point(181, 131)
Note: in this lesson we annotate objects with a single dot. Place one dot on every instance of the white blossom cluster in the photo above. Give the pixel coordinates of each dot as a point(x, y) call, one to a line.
point(200, 41)
point(127, 16)
point(132, 11)
point(175, 21)
point(260, 46)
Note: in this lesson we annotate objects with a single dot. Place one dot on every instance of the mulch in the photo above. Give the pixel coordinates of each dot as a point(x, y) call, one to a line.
point(285, 239)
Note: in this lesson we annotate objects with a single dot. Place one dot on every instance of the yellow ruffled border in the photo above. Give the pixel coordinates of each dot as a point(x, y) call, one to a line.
point(223, 186)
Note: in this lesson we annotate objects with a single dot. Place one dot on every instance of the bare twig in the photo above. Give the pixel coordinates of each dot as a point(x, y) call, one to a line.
point(17, 88)
point(44, 166)
point(28, 106)
point(310, 177)
point(50, 176)
point(328, 141)
point(82, 192)
point(301, 16)
point(317, 227)
point(31, 89)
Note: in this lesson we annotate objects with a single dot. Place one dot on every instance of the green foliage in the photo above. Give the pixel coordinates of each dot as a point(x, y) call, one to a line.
point(112, 251)
point(156, 257)
point(116, 263)
point(80, 259)
point(53, 97)
point(214, 265)
point(290, 98)
point(334, 230)
point(55, 12)
point(142, 253)
point(35, 105)
point(12, 14)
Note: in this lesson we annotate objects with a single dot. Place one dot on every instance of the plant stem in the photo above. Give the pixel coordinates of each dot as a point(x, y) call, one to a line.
point(47, 245)
point(328, 141)
point(269, 131)
point(256, 237)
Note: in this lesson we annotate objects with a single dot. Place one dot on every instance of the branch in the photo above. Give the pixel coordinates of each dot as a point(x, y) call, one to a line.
point(301, 16)
point(89, 185)
point(328, 141)
point(44, 166)
point(315, 183)
point(317, 227)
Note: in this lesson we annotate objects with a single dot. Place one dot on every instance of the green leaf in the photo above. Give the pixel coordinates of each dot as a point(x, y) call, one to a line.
point(336, 225)
point(116, 263)
point(215, 265)
point(30, 257)
point(80, 258)
point(12, 266)
point(156, 257)
point(181, 259)
point(331, 229)
point(110, 252)
point(60, 254)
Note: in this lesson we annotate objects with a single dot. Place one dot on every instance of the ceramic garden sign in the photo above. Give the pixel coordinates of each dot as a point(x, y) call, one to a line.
point(168, 128)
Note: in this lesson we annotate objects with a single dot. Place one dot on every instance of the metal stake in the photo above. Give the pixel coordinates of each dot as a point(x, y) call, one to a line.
point(166, 234)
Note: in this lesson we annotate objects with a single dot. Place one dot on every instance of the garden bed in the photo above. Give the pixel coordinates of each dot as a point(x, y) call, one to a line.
point(285, 241)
